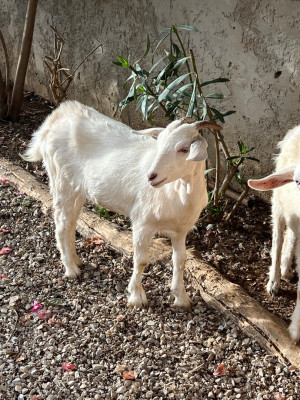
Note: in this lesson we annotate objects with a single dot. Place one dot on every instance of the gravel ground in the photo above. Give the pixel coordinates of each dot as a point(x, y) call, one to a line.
point(116, 352)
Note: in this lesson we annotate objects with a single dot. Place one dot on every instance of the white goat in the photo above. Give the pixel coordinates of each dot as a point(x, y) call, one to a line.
point(286, 217)
point(159, 183)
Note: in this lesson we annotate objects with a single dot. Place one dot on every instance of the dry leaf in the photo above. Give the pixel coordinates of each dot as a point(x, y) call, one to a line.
point(53, 321)
point(120, 368)
point(279, 396)
point(36, 397)
point(21, 358)
point(3, 276)
point(130, 375)
point(24, 318)
point(4, 180)
point(220, 371)
point(95, 240)
point(121, 318)
point(68, 366)
point(44, 314)
point(5, 250)
point(13, 301)
point(292, 368)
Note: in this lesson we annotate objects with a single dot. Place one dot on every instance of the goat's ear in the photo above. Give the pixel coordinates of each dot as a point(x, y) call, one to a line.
point(198, 150)
point(154, 132)
point(207, 124)
point(273, 181)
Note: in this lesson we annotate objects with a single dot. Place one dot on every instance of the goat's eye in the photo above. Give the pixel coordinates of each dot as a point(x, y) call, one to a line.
point(183, 150)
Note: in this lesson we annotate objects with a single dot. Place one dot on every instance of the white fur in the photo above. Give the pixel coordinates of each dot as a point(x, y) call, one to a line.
point(286, 217)
point(90, 156)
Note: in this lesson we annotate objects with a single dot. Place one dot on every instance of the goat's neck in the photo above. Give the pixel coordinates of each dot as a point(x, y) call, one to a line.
point(192, 183)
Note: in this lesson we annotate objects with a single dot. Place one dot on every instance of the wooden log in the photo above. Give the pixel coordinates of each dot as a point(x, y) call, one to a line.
point(229, 298)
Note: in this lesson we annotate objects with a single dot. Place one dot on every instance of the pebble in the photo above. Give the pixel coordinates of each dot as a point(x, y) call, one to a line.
point(174, 354)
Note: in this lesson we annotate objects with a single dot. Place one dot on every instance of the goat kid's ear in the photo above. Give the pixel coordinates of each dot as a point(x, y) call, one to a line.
point(272, 181)
point(198, 150)
point(207, 124)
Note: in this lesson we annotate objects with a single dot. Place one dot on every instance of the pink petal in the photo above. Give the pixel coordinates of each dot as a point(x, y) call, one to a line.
point(3, 276)
point(5, 250)
point(4, 180)
point(220, 371)
point(2, 138)
point(36, 306)
point(68, 366)
point(44, 314)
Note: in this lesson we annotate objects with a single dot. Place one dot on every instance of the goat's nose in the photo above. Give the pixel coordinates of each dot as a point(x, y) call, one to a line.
point(152, 176)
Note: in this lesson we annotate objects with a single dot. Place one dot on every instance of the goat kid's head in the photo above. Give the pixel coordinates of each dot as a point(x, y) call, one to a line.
point(277, 179)
point(178, 144)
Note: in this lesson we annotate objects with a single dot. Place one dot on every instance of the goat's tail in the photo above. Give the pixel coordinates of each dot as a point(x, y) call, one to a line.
point(33, 152)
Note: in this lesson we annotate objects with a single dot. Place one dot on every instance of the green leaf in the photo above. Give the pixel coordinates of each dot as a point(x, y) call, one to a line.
point(144, 107)
point(253, 159)
point(217, 115)
point(176, 50)
point(167, 29)
point(119, 64)
point(172, 86)
point(171, 107)
point(123, 61)
point(242, 147)
point(192, 101)
point(180, 63)
point(225, 114)
point(159, 43)
point(215, 96)
point(207, 171)
point(182, 91)
point(215, 81)
point(188, 27)
point(156, 64)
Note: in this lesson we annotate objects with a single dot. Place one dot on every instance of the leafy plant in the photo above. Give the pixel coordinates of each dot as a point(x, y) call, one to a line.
point(172, 83)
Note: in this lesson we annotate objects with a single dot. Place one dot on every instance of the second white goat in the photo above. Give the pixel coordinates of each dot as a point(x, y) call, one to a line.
point(286, 217)
point(159, 183)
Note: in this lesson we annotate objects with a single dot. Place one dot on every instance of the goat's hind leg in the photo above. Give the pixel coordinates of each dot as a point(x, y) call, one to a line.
point(138, 296)
point(66, 211)
point(182, 300)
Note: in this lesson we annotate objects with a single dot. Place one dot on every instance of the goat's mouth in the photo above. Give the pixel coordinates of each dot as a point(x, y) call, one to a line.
point(157, 184)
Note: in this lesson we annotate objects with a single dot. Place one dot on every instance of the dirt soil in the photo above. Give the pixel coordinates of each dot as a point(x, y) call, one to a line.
point(240, 249)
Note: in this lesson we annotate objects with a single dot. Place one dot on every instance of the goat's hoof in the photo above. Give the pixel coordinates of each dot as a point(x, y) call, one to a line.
point(137, 301)
point(73, 273)
point(273, 287)
point(294, 330)
point(184, 304)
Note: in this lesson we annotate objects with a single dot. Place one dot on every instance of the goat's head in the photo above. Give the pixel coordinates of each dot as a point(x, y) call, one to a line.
point(178, 145)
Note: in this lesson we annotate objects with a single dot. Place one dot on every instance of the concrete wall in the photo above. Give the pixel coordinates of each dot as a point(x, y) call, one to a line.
point(246, 41)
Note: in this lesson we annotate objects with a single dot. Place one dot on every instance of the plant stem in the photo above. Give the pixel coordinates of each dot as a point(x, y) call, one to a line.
point(237, 204)
point(215, 133)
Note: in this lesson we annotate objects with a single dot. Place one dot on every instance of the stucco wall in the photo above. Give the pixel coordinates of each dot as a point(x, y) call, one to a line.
point(246, 41)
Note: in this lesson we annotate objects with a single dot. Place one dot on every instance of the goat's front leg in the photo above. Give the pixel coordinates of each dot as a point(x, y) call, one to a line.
point(287, 254)
point(182, 300)
point(294, 328)
point(277, 240)
point(138, 296)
